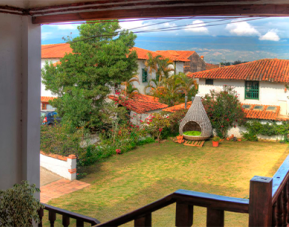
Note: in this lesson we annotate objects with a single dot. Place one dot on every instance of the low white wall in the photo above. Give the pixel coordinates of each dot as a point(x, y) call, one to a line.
point(63, 166)
point(237, 132)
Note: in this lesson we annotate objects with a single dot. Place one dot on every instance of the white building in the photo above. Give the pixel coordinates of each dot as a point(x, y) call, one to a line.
point(53, 52)
point(261, 86)
point(258, 82)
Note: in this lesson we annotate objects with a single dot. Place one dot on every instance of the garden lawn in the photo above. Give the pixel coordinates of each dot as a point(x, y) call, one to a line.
point(123, 183)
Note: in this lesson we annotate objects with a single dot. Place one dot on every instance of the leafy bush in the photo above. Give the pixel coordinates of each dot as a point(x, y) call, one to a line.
point(224, 110)
point(155, 123)
point(255, 128)
point(18, 207)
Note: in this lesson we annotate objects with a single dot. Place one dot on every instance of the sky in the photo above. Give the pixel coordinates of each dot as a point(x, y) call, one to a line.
point(218, 39)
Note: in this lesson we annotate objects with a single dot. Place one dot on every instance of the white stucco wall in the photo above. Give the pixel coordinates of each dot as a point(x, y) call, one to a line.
point(137, 118)
point(45, 92)
point(20, 54)
point(141, 65)
point(269, 93)
point(66, 169)
point(237, 132)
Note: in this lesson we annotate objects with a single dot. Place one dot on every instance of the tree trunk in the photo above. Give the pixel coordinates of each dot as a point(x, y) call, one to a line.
point(186, 99)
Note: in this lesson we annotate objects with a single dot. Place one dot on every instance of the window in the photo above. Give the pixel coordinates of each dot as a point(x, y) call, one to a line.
point(246, 107)
point(44, 106)
point(251, 89)
point(157, 77)
point(144, 76)
point(209, 81)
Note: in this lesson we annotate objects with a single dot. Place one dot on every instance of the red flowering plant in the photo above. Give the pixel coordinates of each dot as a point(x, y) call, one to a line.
point(155, 123)
point(224, 110)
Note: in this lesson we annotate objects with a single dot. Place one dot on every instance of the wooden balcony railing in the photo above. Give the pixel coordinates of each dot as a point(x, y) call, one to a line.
point(268, 205)
point(66, 215)
point(185, 201)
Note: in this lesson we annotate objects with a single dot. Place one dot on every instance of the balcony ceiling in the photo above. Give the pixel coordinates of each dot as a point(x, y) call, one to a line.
point(49, 11)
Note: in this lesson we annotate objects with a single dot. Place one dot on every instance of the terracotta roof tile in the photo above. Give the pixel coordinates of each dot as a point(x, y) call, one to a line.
point(140, 103)
point(47, 98)
point(55, 50)
point(273, 70)
point(177, 107)
point(59, 50)
point(211, 66)
point(143, 54)
point(263, 114)
point(183, 54)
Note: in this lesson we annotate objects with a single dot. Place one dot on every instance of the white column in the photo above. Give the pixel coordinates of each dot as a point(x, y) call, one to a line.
point(20, 59)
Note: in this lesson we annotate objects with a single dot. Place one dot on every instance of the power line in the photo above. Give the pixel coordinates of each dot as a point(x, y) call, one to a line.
point(174, 28)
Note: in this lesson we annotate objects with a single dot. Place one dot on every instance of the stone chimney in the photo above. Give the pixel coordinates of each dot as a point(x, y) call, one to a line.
point(202, 57)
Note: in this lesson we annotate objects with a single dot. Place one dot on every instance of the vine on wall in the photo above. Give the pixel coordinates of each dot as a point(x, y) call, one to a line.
point(255, 128)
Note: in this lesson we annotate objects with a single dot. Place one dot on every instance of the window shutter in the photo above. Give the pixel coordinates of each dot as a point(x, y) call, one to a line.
point(144, 76)
point(251, 89)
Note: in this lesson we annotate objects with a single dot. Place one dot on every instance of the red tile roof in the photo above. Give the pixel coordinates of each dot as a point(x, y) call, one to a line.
point(55, 50)
point(47, 98)
point(183, 54)
point(143, 54)
point(273, 70)
point(139, 103)
point(59, 50)
point(178, 107)
point(261, 114)
point(211, 66)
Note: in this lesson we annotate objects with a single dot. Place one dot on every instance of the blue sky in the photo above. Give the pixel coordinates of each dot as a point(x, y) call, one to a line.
point(218, 39)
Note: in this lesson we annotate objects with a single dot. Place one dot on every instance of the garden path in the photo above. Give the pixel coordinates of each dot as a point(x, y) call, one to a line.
point(53, 186)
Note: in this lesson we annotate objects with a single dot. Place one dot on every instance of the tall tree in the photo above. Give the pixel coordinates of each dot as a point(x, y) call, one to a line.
point(186, 84)
point(101, 58)
point(164, 68)
point(151, 63)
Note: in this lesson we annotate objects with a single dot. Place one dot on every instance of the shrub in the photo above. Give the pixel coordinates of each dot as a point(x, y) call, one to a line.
point(224, 110)
point(58, 139)
point(255, 128)
point(18, 207)
point(155, 124)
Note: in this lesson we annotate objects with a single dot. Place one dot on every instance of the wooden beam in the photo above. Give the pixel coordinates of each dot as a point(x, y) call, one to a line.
point(169, 11)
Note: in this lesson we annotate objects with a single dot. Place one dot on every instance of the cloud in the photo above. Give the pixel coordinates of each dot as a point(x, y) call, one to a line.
point(66, 26)
point(270, 35)
point(197, 26)
point(46, 35)
point(242, 28)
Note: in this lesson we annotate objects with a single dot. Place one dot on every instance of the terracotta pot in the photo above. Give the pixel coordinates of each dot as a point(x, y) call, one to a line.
point(239, 140)
point(228, 138)
point(215, 143)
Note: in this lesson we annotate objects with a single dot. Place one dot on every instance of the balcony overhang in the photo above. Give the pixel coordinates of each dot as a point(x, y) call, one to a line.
point(52, 11)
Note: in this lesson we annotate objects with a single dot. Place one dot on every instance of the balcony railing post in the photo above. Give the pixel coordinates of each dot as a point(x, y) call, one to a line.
point(143, 221)
point(215, 217)
point(260, 201)
point(184, 214)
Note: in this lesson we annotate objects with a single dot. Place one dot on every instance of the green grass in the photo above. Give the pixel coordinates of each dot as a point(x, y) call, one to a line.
point(123, 183)
point(192, 133)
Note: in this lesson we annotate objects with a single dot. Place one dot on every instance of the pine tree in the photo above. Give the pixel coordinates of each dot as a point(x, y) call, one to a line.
point(101, 59)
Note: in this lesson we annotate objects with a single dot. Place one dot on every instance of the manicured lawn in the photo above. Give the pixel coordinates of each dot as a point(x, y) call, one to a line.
point(126, 182)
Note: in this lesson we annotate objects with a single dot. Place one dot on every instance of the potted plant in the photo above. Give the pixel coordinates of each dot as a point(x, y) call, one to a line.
point(180, 138)
point(18, 206)
point(216, 140)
